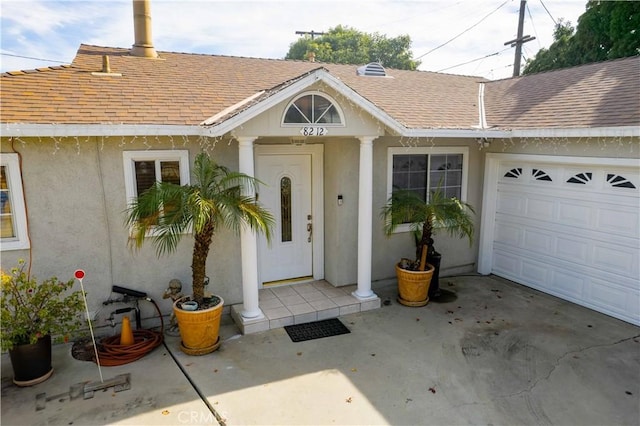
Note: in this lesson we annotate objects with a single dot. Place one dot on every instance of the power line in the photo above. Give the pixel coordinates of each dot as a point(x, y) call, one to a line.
point(35, 59)
point(474, 25)
point(475, 60)
point(549, 13)
point(534, 26)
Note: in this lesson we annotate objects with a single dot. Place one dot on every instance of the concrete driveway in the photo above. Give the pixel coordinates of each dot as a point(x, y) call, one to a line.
point(495, 353)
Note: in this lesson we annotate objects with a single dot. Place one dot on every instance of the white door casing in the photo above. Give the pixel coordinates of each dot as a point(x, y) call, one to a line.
point(298, 255)
point(568, 226)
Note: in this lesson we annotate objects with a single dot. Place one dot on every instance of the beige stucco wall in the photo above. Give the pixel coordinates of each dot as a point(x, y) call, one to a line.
point(457, 255)
point(75, 197)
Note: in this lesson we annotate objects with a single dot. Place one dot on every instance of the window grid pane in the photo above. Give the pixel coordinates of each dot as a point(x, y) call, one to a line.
point(312, 109)
point(410, 171)
point(6, 212)
point(145, 175)
point(446, 174)
point(170, 172)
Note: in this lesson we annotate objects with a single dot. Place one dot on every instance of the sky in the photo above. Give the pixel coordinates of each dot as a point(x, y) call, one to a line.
point(445, 33)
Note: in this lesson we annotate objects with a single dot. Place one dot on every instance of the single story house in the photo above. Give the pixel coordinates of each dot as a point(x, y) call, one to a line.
point(551, 163)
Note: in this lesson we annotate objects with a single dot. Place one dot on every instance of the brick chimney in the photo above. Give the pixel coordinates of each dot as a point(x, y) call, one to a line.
point(143, 45)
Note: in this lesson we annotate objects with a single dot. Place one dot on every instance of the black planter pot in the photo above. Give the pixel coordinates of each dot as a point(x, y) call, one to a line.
point(32, 363)
point(434, 288)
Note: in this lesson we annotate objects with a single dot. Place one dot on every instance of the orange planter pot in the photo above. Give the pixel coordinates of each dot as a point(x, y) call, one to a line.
point(199, 330)
point(413, 286)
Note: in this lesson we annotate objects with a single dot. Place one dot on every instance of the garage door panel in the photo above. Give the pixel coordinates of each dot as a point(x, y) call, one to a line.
point(511, 203)
point(568, 284)
point(538, 241)
point(617, 259)
point(572, 249)
point(575, 213)
point(619, 221)
point(508, 264)
point(540, 209)
point(510, 234)
point(605, 295)
point(533, 271)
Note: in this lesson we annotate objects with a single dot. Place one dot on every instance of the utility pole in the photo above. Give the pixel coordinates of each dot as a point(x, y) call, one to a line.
point(311, 33)
point(520, 40)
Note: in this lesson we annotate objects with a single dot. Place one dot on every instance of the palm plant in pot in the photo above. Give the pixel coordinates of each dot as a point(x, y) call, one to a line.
point(425, 218)
point(166, 212)
point(32, 312)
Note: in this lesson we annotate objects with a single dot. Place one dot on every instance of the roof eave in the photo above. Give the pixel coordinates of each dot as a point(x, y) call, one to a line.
point(73, 130)
point(577, 132)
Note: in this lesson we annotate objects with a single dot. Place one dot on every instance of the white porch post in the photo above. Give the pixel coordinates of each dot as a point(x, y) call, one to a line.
point(248, 241)
point(365, 211)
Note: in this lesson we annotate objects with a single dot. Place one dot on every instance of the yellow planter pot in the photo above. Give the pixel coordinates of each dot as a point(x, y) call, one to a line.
point(199, 330)
point(413, 286)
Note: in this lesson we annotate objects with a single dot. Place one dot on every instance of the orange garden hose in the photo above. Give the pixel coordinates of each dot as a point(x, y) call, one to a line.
point(111, 353)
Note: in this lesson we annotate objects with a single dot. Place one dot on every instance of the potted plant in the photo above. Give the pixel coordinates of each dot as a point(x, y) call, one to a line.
point(166, 212)
point(31, 313)
point(425, 217)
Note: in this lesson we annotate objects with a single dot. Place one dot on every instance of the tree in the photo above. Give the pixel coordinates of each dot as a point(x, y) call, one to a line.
point(607, 30)
point(166, 212)
point(345, 45)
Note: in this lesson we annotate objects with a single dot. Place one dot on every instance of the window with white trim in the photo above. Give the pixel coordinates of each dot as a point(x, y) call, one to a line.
point(13, 217)
point(143, 168)
point(313, 108)
point(425, 169)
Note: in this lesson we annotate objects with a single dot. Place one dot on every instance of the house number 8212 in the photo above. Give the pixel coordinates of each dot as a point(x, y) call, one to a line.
point(313, 131)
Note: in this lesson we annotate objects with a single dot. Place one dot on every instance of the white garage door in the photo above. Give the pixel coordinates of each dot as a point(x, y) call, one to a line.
point(567, 226)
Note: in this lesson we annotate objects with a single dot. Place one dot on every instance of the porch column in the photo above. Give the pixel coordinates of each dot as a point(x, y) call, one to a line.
point(365, 211)
point(248, 241)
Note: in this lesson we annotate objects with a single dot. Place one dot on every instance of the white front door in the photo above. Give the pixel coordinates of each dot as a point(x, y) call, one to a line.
point(286, 192)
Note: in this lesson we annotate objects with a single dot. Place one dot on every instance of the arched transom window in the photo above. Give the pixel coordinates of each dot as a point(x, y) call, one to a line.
point(313, 108)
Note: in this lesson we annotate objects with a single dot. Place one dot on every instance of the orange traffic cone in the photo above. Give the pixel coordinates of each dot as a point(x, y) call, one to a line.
point(126, 335)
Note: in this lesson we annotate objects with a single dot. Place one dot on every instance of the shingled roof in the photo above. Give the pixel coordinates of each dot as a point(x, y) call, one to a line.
point(186, 89)
point(603, 94)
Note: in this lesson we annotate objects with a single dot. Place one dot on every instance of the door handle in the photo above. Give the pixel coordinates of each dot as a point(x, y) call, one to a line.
point(310, 231)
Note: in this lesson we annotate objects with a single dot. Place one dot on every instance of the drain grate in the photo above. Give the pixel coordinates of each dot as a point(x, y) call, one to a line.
point(316, 330)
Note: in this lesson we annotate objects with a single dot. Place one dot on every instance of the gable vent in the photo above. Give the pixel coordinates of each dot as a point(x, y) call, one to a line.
point(373, 69)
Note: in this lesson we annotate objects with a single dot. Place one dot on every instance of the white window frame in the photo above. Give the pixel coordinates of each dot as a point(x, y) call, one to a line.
point(436, 150)
point(315, 93)
point(14, 181)
point(130, 157)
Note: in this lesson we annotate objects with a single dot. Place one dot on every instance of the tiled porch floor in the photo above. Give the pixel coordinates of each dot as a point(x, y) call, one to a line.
point(301, 303)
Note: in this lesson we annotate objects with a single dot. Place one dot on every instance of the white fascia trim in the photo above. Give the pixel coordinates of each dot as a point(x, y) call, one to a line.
point(232, 108)
point(363, 103)
point(73, 130)
point(619, 131)
point(457, 133)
